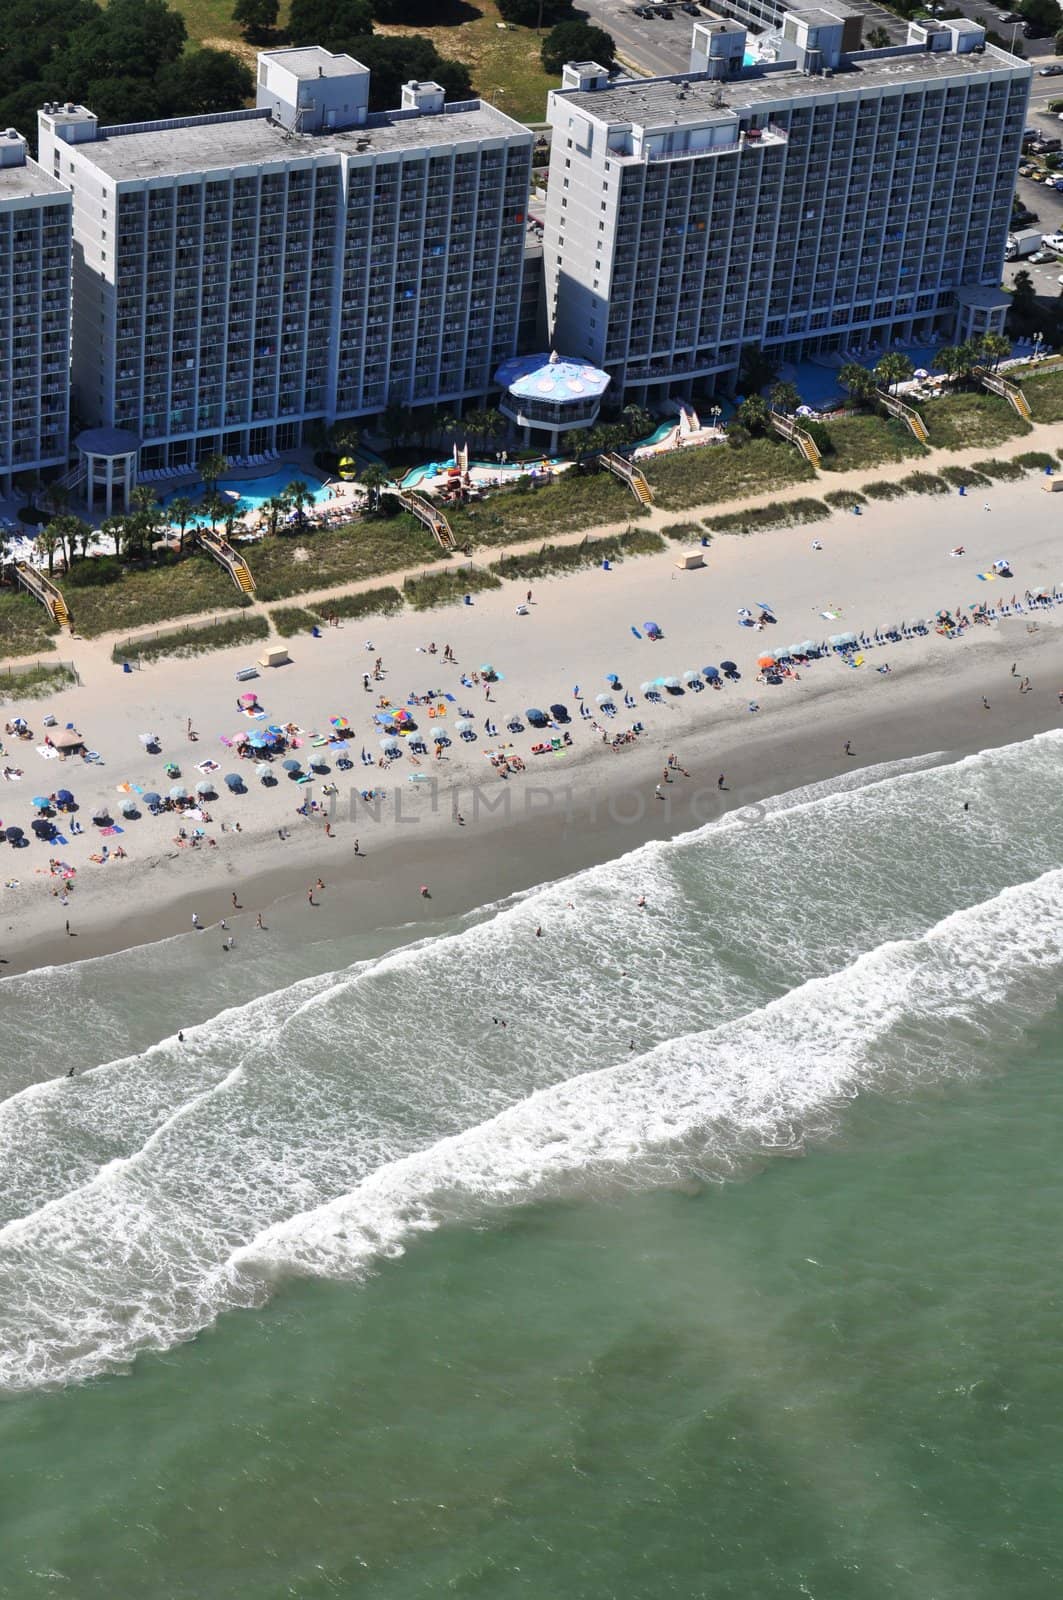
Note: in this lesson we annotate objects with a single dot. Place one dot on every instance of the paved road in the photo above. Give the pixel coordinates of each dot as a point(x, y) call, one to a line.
point(656, 46)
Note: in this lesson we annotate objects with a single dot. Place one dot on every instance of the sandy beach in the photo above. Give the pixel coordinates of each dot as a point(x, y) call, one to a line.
point(565, 810)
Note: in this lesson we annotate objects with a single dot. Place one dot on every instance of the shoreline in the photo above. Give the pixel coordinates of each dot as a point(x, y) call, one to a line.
point(554, 817)
point(546, 833)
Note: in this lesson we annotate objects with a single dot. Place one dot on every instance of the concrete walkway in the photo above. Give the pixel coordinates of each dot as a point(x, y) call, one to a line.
point(1045, 436)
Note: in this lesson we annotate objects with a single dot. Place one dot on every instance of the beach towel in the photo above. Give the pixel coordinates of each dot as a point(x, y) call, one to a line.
point(636, 632)
point(987, 577)
point(207, 766)
point(47, 752)
point(114, 828)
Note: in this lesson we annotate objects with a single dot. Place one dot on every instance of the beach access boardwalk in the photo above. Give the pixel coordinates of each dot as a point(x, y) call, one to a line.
point(1041, 436)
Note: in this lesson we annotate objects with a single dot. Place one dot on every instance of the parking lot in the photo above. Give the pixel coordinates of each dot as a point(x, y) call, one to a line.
point(1046, 202)
point(656, 45)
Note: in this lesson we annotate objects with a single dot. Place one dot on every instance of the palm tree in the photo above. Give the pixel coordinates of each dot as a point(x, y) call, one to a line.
point(116, 527)
point(56, 498)
point(637, 421)
point(475, 422)
point(211, 468)
point(374, 479)
point(756, 369)
point(994, 348)
point(784, 397)
point(275, 508)
point(893, 369)
point(214, 505)
point(68, 530)
point(345, 438)
point(181, 511)
point(234, 510)
point(860, 382)
point(47, 543)
point(395, 422)
point(445, 423)
point(754, 412)
point(298, 495)
point(495, 425)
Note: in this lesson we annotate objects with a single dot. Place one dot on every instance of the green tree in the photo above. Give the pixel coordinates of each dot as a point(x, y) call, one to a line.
point(1042, 17)
point(204, 81)
point(70, 531)
point(394, 60)
point(638, 423)
point(46, 544)
point(257, 18)
point(345, 437)
point(234, 510)
point(211, 468)
point(395, 423)
point(877, 39)
point(1058, 44)
point(536, 13)
point(298, 497)
point(493, 424)
point(115, 527)
point(214, 505)
point(860, 382)
point(993, 348)
point(275, 507)
point(756, 370)
point(128, 39)
point(332, 23)
point(892, 369)
point(576, 41)
point(374, 479)
point(1023, 295)
point(181, 511)
point(754, 413)
point(784, 397)
point(956, 361)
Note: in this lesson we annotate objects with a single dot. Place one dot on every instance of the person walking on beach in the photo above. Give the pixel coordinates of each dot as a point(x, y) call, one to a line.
point(985, 704)
point(195, 921)
point(236, 904)
point(720, 783)
point(259, 923)
point(848, 747)
point(310, 895)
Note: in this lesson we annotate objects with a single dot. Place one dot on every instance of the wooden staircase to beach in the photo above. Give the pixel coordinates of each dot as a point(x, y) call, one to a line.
point(787, 428)
point(224, 554)
point(431, 516)
point(628, 473)
point(904, 413)
point(1006, 389)
point(44, 590)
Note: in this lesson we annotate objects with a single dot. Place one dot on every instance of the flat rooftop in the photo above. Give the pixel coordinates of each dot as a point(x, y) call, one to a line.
point(213, 146)
point(664, 102)
point(27, 180)
point(313, 62)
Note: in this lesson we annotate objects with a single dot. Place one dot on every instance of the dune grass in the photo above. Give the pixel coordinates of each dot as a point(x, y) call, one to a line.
point(192, 641)
point(557, 558)
point(153, 594)
point(759, 519)
point(293, 564)
point(26, 629)
point(860, 439)
point(702, 474)
point(34, 683)
point(961, 421)
point(447, 587)
point(511, 516)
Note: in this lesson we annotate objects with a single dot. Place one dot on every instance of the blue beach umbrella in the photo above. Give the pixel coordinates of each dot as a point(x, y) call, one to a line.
point(710, 672)
point(41, 801)
point(291, 765)
point(153, 799)
point(233, 781)
point(64, 797)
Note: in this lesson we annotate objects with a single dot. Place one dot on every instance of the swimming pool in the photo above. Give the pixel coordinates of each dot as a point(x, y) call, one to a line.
point(254, 492)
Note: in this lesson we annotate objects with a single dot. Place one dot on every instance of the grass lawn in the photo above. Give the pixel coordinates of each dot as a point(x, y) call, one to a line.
point(33, 683)
point(1045, 394)
point(193, 641)
point(293, 564)
point(555, 558)
point(758, 519)
point(26, 629)
point(504, 63)
point(863, 440)
point(702, 474)
point(572, 501)
point(155, 594)
point(960, 421)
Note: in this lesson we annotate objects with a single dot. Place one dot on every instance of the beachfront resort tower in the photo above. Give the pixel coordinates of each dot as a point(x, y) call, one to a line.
point(34, 314)
point(834, 199)
point(242, 275)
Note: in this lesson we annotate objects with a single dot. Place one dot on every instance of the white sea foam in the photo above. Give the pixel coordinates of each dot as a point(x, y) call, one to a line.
point(699, 1104)
point(153, 1192)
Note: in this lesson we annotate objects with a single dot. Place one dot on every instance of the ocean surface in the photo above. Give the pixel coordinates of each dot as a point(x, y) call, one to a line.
point(728, 1265)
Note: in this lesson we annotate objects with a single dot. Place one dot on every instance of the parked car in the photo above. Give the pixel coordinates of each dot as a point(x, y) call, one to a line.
point(1052, 241)
point(1039, 257)
point(1050, 72)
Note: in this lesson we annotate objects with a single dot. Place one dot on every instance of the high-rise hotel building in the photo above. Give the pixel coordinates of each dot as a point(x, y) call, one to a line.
point(34, 313)
point(835, 198)
point(240, 275)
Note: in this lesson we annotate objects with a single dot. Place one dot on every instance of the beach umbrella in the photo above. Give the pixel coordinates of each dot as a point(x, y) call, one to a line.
point(766, 661)
point(64, 797)
point(390, 746)
point(42, 827)
point(690, 676)
point(809, 648)
point(463, 725)
point(559, 713)
point(920, 372)
point(41, 801)
point(646, 688)
point(13, 835)
point(263, 770)
point(249, 699)
point(604, 699)
point(205, 787)
point(537, 718)
point(440, 738)
point(670, 683)
point(728, 666)
point(611, 677)
point(148, 739)
point(153, 799)
point(233, 782)
point(178, 792)
point(277, 732)
point(258, 741)
point(710, 672)
point(101, 815)
point(129, 808)
point(291, 765)
point(765, 606)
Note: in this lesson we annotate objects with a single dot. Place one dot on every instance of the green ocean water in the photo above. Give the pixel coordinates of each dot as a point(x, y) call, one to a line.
point(727, 1267)
point(838, 1377)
